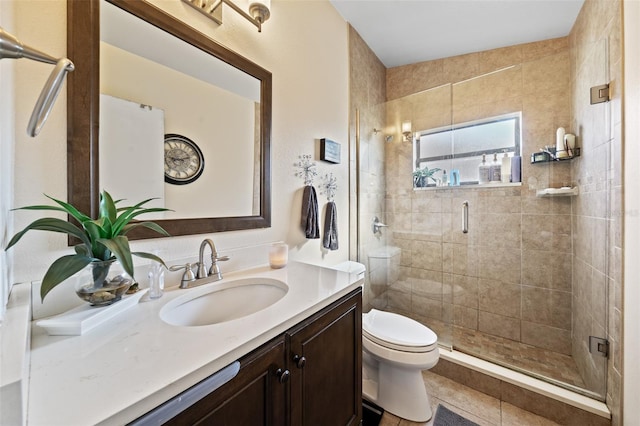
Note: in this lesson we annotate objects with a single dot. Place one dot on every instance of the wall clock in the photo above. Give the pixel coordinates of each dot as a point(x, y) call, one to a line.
point(183, 160)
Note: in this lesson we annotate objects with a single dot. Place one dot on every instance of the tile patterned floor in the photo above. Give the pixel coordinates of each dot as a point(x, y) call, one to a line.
point(508, 353)
point(475, 406)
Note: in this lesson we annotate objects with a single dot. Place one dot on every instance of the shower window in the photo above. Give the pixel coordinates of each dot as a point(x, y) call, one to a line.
point(461, 146)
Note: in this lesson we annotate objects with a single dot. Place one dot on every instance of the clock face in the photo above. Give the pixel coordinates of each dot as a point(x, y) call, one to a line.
point(183, 160)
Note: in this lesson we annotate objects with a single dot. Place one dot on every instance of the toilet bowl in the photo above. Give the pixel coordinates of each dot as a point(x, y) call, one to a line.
point(395, 351)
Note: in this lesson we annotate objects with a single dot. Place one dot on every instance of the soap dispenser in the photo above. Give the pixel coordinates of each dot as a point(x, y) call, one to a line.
point(495, 169)
point(445, 179)
point(483, 171)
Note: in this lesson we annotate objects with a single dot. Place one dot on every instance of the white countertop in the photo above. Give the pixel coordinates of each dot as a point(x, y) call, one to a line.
point(128, 366)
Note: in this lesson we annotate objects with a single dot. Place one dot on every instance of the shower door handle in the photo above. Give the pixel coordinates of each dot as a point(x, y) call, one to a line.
point(465, 217)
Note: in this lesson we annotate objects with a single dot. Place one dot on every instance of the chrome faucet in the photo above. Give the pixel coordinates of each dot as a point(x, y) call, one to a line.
point(202, 276)
point(214, 270)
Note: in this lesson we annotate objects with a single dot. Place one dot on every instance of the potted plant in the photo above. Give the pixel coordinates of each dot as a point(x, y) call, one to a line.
point(103, 242)
point(421, 176)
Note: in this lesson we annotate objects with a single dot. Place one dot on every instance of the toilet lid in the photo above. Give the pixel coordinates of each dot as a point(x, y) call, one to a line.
point(397, 332)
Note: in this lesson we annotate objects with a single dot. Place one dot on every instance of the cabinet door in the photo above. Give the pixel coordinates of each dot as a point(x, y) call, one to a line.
point(325, 358)
point(256, 396)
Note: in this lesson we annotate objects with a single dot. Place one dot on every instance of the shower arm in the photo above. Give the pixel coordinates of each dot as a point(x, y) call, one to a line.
point(12, 48)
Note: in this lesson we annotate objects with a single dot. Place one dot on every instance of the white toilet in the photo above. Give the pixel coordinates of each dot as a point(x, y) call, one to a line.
point(395, 351)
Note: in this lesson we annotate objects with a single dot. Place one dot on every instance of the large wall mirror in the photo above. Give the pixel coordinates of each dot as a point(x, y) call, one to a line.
point(159, 110)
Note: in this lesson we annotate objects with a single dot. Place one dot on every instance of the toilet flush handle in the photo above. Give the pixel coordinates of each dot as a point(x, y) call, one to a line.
point(299, 360)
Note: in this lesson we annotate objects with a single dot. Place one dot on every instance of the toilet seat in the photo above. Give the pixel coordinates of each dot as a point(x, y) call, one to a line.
point(397, 332)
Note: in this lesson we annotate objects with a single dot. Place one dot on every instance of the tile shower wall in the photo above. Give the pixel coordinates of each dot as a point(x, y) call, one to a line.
point(367, 94)
point(596, 42)
point(510, 276)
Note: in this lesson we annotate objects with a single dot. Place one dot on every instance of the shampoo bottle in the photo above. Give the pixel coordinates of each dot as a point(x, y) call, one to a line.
point(505, 169)
point(483, 171)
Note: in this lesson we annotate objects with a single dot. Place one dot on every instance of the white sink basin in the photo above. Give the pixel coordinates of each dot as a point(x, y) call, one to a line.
point(224, 302)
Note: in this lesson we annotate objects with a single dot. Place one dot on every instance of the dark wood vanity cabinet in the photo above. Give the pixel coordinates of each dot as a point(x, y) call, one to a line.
point(310, 375)
point(325, 358)
point(255, 396)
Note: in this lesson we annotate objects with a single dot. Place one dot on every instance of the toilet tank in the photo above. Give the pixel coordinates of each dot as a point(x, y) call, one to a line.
point(384, 265)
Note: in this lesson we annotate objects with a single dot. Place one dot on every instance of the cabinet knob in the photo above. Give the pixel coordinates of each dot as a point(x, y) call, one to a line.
point(299, 360)
point(283, 375)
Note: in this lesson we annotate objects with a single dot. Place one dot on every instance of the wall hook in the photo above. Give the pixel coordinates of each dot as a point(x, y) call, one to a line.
point(330, 186)
point(307, 169)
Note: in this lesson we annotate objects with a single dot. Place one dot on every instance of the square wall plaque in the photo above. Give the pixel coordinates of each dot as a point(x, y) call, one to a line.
point(329, 151)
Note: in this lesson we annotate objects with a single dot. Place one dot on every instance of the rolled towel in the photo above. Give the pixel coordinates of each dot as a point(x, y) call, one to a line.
point(330, 239)
point(310, 213)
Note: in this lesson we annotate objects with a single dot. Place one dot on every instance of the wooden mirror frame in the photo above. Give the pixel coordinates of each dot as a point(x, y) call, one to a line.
point(83, 91)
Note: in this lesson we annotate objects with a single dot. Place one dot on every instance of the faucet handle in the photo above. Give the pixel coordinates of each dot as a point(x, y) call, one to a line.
point(188, 275)
point(214, 269)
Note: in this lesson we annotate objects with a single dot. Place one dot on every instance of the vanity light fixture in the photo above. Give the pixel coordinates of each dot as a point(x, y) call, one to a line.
point(258, 10)
point(406, 131)
point(12, 48)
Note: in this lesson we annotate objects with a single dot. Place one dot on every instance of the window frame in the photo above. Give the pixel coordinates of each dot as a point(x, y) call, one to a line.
point(516, 148)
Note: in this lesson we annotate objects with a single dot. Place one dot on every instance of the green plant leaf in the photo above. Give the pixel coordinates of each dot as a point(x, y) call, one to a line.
point(54, 225)
point(83, 250)
point(133, 211)
point(41, 207)
point(106, 227)
point(95, 232)
point(151, 225)
point(149, 256)
point(79, 216)
point(60, 270)
point(107, 207)
point(119, 246)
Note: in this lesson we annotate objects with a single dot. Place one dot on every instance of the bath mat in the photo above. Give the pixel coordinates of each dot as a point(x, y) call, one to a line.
point(371, 413)
point(446, 417)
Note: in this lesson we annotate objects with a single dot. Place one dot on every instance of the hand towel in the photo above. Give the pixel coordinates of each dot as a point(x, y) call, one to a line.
point(310, 213)
point(330, 240)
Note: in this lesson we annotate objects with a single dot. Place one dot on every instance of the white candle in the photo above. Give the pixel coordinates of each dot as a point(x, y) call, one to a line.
point(278, 255)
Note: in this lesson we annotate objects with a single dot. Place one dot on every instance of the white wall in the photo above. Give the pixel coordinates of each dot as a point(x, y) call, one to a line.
point(631, 295)
point(6, 158)
point(304, 45)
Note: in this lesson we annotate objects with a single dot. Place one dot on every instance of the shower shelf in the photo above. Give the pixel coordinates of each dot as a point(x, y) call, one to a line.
point(546, 156)
point(558, 192)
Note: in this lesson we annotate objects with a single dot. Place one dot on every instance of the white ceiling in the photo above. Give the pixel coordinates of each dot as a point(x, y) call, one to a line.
point(404, 32)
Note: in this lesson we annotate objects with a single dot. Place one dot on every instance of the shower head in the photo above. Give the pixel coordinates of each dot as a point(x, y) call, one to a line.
point(387, 138)
point(12, 48)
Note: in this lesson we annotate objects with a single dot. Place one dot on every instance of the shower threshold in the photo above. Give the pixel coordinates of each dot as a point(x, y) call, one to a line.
point(526, 381)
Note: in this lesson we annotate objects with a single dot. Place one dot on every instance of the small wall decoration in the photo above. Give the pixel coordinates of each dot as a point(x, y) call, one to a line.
point(329, 151)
